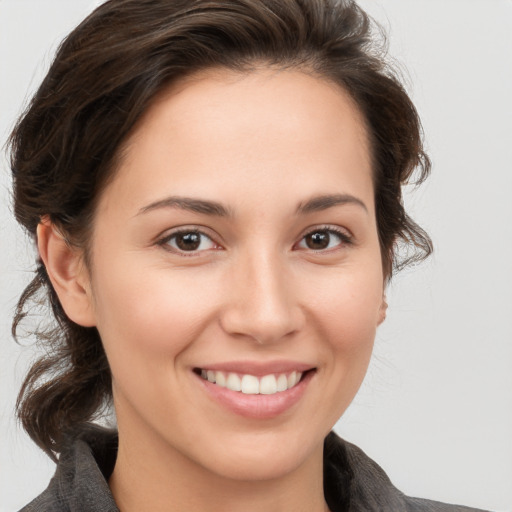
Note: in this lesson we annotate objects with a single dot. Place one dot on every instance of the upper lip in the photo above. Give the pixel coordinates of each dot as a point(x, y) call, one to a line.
point(259, 368)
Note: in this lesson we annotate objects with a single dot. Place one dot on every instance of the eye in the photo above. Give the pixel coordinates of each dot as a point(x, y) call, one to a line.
point(189, 240)
point(324, 239)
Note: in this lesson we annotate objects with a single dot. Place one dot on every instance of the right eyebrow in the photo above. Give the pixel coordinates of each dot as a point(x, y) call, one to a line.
point(324, 202)
point(188, 203)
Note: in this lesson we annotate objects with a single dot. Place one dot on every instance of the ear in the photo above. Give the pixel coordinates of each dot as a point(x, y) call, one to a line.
point(382, 310)
point(67, 273)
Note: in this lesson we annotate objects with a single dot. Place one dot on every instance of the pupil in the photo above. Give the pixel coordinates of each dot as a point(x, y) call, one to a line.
point(318, 240)
point(188, 241)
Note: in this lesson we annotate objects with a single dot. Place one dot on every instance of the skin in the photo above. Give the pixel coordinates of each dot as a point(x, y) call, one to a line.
point(260, 144)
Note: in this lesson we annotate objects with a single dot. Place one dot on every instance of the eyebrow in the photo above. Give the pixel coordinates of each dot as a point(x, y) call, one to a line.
point(187, 203)
point(319, 203)
point(207, 207)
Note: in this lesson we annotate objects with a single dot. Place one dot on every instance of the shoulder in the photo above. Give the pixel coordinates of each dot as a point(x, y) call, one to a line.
point(80, 480)
point(370, 487)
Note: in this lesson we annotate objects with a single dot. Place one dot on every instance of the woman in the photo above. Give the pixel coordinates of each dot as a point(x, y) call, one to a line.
point(215, 192)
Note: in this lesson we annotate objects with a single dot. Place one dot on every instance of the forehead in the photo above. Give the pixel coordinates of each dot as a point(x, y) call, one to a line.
point(283, 100)
point(219, 130)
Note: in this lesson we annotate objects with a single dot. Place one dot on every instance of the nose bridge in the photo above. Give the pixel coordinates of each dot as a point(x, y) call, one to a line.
point(263, 305)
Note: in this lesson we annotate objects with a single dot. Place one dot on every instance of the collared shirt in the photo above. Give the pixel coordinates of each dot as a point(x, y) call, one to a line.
point(352, 481)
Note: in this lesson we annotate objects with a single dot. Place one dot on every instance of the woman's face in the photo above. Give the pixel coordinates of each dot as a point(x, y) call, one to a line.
point(238, 242)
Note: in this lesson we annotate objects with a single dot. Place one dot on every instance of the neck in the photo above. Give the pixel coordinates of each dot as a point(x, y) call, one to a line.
point(149, 475)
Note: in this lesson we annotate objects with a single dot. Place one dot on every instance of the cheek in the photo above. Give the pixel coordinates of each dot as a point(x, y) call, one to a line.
point(346, 317)
point(146, 321)
point(349, 306)
point(349, 315)
point(146, 315)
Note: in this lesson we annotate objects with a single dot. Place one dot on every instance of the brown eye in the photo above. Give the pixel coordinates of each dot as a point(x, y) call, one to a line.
point(189, 241)
point(318, 240)
point(323, 239)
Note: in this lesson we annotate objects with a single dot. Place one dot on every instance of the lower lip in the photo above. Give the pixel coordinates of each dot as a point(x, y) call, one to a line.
point(260, 407)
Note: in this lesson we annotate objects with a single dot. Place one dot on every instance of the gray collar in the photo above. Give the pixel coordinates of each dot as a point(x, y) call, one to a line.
point(352, 481)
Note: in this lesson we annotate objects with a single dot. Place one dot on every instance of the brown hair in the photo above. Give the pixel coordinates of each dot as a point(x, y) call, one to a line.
point(103, 78)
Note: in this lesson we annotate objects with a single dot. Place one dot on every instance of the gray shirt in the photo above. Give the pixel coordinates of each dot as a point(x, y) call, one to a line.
point(352, 481)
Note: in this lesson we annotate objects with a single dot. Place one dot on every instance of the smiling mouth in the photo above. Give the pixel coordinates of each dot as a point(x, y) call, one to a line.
point(250, 384)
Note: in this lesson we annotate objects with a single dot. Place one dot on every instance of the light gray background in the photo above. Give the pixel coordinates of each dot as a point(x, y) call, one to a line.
point(436, 408)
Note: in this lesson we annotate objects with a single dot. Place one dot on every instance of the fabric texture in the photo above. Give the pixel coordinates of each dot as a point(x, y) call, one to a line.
point(352, 481)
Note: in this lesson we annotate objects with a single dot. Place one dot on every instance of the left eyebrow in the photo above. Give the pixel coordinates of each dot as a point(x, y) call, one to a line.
point(187, 203)
point(324, 202)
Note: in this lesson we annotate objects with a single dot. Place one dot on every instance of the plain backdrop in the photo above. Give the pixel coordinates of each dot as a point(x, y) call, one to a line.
point(436, 408)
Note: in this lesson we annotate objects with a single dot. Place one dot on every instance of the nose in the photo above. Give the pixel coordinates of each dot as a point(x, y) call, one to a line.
point(262, 304)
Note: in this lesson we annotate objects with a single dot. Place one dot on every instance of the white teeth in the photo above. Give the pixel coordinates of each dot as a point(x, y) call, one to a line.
point(268, 385)
point(282, 382)
point(251, 385)
point(294, 378)
point(233, 382)
point(220, 379)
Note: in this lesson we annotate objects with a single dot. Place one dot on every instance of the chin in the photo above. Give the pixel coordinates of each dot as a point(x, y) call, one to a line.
point(263, 457)
point(259, 468)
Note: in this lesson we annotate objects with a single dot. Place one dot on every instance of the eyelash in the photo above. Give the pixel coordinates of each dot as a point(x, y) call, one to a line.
point(344, 237)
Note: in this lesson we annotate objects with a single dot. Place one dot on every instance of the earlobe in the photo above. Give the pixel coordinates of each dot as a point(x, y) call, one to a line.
point(67, 273)
point(382, 310)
